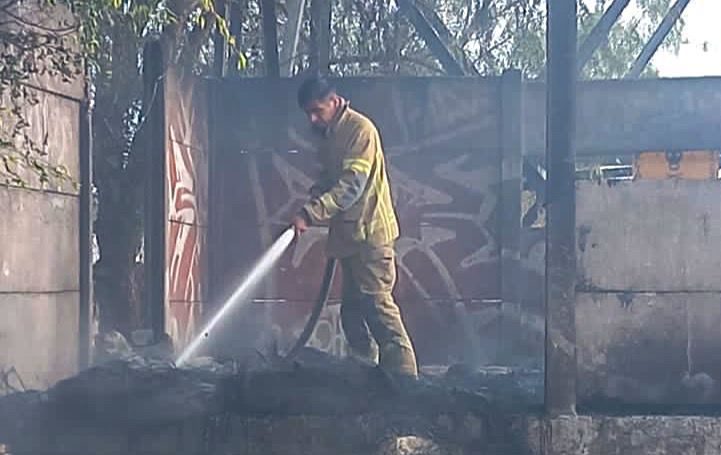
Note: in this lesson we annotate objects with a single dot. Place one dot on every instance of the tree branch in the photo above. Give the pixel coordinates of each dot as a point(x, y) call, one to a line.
point(57, 31)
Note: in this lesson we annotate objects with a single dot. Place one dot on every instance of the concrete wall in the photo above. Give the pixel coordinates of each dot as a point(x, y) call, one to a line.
point(444, 138)
point(648, 311)
point(39, 260)
point(377, 433)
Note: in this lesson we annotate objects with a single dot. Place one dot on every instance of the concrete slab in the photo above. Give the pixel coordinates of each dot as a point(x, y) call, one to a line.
point(633, 435)
point(381, 434)
point(648, 348)
point(632, 116)
point(39, 336)
point(649, 236)
point(40, 241)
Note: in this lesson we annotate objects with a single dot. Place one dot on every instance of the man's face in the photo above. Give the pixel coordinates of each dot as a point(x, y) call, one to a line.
point(321, 112)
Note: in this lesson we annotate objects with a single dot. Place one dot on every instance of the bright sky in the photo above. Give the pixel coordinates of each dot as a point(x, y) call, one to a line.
point(702, 18)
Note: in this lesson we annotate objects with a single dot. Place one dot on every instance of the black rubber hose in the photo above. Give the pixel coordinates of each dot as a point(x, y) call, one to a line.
point(328, 275)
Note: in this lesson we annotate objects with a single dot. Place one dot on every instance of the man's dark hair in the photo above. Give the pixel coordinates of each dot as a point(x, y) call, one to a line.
point(315, 88)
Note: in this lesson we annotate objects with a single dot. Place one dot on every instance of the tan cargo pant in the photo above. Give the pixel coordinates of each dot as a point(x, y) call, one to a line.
point(370, 315)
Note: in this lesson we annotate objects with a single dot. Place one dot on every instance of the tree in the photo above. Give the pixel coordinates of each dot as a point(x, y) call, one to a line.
point(374, 37)
point(626, 39)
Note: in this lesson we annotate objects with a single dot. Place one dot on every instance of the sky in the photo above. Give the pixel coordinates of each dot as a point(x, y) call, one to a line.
point(702, 18)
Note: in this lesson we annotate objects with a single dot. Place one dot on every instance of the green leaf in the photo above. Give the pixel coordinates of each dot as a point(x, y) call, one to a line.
point(242, 61)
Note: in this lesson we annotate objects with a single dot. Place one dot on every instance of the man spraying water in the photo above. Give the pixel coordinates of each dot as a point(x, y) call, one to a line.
point(354, 196)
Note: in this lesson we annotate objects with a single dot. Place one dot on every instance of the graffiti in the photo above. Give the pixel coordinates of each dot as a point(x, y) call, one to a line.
point(444, 168)
point(430, 237)
point(479, 181)
point(185, 230)
point(181, 322)
point(409, 195)
point(327, 336)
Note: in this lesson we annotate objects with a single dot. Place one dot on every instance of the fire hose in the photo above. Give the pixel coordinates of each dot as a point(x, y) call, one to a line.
point(328, 275)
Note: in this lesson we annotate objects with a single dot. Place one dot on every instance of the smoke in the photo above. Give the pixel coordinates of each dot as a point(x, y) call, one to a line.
point(260, 270)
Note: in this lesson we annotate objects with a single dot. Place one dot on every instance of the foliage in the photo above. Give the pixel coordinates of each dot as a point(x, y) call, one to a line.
point(627, 38)
point(29, 52)
point(37, 45)
point(374, 37)
point(368, 38)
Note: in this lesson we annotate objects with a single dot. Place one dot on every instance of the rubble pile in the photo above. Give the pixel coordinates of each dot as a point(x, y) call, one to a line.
point(140, 391)
point(135, 389)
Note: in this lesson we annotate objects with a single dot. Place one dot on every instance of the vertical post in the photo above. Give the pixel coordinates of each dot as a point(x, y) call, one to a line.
point(289, 51)
point(220, 55)
point(270, 38)
point(155, 214)
point(664, 28)
point(512, 151)
point(560, 374)
point(86, 231)
point(320, 20)
point(235, 17)
point(431, 37)
point(599, 33)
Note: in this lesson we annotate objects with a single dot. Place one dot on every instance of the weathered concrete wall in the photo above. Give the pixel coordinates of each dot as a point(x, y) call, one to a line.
point(186, 204)
point(648, 311)
point(39, 260)
point(444, 139)
point(632, 435)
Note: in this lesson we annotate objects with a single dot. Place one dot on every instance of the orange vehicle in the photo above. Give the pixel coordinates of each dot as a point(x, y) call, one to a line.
point(688, 165)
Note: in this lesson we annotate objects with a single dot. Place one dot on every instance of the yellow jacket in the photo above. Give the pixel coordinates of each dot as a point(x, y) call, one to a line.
point(355, 193)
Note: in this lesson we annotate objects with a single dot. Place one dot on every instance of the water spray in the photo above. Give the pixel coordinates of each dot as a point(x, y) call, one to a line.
point(256, 274)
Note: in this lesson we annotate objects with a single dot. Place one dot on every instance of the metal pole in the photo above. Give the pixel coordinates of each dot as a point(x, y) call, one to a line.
point(85, 231)
point(599, 33)
point(430, 37)
point(220, 57)
point(270, 39)
point(649, 50)
point(320, 23)
point(235, 16)
point(560, 372)
point(289, 52)
point(155, 179)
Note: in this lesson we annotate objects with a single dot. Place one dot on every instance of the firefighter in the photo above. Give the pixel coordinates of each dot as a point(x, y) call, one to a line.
point(353, 195)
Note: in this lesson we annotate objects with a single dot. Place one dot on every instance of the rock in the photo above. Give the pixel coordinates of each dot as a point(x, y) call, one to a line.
point(416, 445)
point(143, 337)
point(112, 346)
